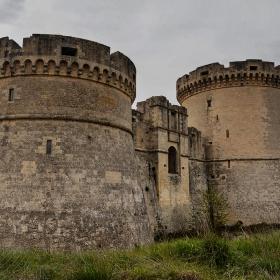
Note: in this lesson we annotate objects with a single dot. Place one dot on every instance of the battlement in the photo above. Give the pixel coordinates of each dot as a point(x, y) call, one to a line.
point(160, 101)
point(252, 72)
point(47, 54)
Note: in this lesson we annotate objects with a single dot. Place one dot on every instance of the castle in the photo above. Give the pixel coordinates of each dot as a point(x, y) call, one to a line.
point(79, 169)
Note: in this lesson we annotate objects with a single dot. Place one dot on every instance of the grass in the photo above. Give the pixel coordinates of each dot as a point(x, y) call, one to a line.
point(253, 256)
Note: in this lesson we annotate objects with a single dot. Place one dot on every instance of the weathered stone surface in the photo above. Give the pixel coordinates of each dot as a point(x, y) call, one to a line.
point(84, 193)
point(80, 170)
point(237, 111)
point(157, 126)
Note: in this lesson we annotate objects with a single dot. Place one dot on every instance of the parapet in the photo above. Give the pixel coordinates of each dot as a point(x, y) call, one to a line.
point(47, 54)
point(160, 101)
point(239, 73)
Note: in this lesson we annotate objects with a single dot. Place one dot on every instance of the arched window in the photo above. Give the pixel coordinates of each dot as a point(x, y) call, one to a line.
point(172, 160)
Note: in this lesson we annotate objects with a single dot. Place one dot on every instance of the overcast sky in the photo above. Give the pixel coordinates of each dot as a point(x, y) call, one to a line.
point(164, 38)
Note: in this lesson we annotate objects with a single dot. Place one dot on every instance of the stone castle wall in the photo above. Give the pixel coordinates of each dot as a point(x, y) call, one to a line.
point(237, 111)
point(159, 127)
point(80, 170)
point(84, 194)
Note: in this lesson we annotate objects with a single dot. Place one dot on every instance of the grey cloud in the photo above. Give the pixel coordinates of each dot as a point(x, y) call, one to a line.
point(9, 10)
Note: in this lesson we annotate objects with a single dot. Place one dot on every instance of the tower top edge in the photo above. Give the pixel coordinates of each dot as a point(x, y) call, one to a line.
point(254, 72)
point(60, 47)
point(217, 69)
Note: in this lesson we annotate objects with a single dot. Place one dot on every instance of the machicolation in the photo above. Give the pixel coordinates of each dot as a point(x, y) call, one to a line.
point(239, 73)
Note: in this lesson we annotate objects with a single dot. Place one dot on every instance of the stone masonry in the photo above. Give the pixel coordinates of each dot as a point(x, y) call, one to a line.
point(237, 111)
point(80, 170)
point(68, 174)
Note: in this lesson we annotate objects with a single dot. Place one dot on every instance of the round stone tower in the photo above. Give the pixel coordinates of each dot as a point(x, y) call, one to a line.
point(68, 177)
point(237, 111)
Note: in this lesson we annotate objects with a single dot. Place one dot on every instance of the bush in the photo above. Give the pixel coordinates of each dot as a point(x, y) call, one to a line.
point(210, 211)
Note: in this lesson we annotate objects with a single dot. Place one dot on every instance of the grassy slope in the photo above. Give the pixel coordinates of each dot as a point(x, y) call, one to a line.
point(256, 256)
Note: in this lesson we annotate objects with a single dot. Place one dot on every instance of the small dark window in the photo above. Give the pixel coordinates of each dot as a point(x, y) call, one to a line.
point(172, 160)
point(209, 103)
point(227, 133)
point(228, 163)
point(49, 147)
point(11, 94)
point(68, 51)
point(204, 73)
point(253, 68)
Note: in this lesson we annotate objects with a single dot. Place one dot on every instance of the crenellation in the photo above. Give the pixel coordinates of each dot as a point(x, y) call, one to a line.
point(44, 54)
point(214, 76)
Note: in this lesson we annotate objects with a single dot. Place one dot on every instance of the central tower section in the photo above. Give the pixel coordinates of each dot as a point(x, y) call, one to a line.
point(67, 163)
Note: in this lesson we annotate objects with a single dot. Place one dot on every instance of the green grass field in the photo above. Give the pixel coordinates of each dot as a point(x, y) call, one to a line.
point(253, 256)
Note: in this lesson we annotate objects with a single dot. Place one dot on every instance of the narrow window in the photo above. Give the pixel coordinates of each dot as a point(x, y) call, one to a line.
point(253, 68)
point(11, 94)
point(68, 51)
point(228, 163)
point(49, 147)
point(209, 103)
point(172, 160)
point(227, 133)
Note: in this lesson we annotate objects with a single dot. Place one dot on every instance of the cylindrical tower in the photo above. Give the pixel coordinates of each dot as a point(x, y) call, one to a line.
point(68, 177)
point(237, 111)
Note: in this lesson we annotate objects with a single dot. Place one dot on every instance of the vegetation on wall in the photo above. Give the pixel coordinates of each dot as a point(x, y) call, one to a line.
point(210, 211)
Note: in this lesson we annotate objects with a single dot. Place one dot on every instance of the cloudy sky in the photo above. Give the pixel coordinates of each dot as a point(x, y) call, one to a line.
point(164, 38)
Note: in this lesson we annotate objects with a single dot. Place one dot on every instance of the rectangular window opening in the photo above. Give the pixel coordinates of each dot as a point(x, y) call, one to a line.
point(49, 147)
point(11, 94)
point(253, 68)
point(204, 73)
point(209, 103)
point(68, 51)
point(228, 163)
point(227, 133)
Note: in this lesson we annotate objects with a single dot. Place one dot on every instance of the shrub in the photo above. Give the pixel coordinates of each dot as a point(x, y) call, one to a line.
point(210, 211)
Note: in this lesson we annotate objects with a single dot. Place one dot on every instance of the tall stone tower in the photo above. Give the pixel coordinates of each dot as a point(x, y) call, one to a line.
point(161, 145)
point(68, 177)
point(237, 111)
